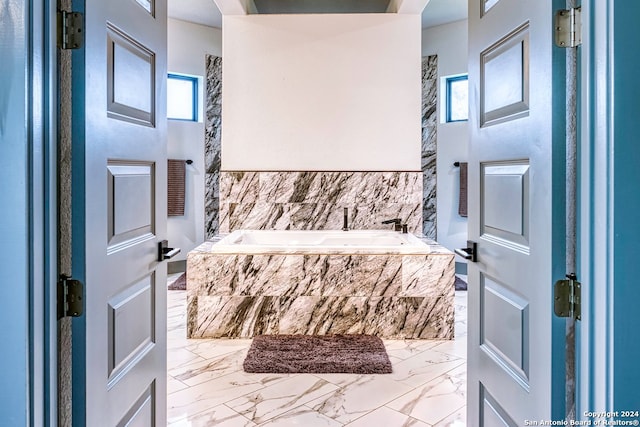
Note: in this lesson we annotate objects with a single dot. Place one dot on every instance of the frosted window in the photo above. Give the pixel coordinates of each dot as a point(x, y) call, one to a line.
point(182, 97)
point(457, 99)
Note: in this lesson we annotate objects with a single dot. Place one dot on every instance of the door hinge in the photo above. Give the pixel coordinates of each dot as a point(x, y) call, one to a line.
point(568, 27)
point(70, 30)
point(70, 297)
point(567, 297)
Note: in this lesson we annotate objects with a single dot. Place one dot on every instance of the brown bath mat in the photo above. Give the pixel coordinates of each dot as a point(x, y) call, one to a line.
point(317, 354)
point(180, 284)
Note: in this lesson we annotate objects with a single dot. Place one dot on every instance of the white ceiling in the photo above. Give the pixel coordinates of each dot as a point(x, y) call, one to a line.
point(440, 12)
point(206, 12)
point(203, 12)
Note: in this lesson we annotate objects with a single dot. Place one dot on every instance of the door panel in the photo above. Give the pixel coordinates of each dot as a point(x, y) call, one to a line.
point(507, 342)
point(492, 414)
point(505, 203)
point(120, 199)
point(130, 203)
point(142, 413)
point(131, 325)
point(512, 168)
point(130, 78)
point(504, 78)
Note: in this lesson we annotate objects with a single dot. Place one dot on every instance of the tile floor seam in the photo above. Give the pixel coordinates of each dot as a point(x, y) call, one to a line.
point(185, 386)
point(365, 414)
point(422, 393)
point(293, 408)
point(448, 415)
point(333, 419)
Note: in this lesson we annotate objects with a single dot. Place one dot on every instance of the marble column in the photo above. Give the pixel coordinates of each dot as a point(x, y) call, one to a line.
point(429, 138)
point(212, 131)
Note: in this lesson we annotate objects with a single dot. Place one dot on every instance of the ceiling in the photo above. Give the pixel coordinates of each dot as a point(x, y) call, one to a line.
point(206, 12)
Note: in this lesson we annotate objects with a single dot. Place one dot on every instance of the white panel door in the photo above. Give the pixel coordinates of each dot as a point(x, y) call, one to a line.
point(119, 214)
point(516, 179)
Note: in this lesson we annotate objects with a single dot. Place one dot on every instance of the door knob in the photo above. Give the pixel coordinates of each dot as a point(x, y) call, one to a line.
point(470, 252)
point(165, 252)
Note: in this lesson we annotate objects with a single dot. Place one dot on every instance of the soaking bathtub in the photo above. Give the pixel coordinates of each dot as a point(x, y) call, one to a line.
point(377, 282)
point(321, 241)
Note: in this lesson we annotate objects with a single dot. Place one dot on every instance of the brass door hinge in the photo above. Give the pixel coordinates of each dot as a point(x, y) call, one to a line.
point(567, 295)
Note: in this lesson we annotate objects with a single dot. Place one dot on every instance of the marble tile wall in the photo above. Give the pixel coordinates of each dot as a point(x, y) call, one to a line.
point(315, 200)
point(212, 132)
point(429, 145)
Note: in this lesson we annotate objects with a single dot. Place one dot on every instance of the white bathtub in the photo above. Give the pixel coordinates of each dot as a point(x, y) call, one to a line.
point(320, 242)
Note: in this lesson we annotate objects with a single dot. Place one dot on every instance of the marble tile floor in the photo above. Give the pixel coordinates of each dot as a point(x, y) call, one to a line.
point(207, 386)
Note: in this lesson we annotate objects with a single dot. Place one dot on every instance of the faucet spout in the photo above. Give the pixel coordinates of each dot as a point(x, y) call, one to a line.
point(345, 219)
point(397, 223)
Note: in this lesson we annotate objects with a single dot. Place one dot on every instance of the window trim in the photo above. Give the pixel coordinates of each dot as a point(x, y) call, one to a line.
point(194, 96)
point(448, 104)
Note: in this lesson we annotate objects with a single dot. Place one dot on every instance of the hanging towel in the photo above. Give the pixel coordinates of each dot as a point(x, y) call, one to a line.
point(175, 187)
point(462, 200)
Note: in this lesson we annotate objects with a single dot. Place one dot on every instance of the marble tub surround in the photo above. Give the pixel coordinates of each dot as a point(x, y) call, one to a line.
point(315, 200)
point(391, 296)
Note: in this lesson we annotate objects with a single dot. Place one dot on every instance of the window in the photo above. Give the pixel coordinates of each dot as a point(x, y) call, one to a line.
point(457, 98)
point(182, 97)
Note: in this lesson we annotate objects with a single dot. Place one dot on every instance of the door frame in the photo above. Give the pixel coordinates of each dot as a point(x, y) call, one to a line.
point(34, 276)
point(610, 318)
point(592, 382)
point(43, 239)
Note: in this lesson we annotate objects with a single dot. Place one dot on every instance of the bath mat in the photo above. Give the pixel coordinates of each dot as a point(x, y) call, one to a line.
point(460, 284)
point(180, 284)
point(317, 354)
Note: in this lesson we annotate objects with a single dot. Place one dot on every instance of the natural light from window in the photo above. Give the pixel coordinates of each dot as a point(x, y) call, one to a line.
point(457, 99)
point(182, 95)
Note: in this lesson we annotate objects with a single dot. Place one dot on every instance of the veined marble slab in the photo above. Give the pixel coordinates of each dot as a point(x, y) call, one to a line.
point(315, 200)
point(394, 317)
point(391, 296)
point(212, 147)
point(429, 143)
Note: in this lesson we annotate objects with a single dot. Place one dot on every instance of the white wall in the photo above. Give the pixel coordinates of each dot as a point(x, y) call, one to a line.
point(321, 92)
point(449, 42)
point(187, 46)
